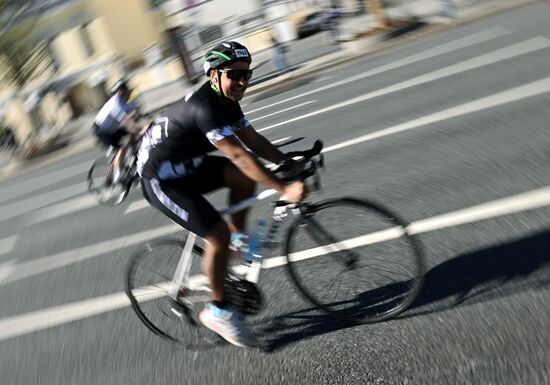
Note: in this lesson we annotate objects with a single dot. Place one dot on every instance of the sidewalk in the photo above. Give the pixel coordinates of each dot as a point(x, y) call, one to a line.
point(362, 40)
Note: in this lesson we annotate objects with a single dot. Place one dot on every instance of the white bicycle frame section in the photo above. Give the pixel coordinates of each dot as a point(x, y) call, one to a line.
point(252, 272)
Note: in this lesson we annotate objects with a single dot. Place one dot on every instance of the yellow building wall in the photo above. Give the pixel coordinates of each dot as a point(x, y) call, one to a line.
point(175, 69)
point(98, 30)
point(150, 77)
point(114, 27)
point(69, 51)
point(258, 40)
point(131, 24)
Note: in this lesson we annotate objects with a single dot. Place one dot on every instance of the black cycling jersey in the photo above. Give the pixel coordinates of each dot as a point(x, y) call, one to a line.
point(179, 140)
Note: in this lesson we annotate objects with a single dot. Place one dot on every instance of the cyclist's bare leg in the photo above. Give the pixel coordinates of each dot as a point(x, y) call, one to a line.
point(117, 159)
point(219, 316)
point(241, 187)
point(214, 261)
point(128, 142)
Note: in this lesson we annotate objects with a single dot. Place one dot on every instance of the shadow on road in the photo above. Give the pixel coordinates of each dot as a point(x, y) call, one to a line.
point(487, 274)
point(484, 275)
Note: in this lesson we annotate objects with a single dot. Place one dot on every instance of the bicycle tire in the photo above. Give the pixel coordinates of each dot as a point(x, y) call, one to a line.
point(175, 320)
point(97, 183)
point(360, 228)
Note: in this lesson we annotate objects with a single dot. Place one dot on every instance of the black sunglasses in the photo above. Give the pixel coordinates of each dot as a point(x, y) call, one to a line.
point(236, 74)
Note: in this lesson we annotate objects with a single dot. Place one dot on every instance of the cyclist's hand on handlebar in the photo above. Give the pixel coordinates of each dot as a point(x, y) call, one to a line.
point(295, 192)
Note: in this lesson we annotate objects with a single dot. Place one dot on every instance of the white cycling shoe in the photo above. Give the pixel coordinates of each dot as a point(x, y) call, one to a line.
point(228, 323)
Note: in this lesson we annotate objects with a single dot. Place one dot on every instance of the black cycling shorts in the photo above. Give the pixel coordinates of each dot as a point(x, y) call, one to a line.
point(182, 199)
point(111, 139)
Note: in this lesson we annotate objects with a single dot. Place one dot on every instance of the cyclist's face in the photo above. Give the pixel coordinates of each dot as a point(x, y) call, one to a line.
point(233, 89)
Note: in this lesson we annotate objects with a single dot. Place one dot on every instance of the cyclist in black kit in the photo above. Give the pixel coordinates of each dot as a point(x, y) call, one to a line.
point(177, 170)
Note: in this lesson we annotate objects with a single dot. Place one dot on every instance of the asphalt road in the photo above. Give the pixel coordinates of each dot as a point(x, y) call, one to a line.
point(450, 131)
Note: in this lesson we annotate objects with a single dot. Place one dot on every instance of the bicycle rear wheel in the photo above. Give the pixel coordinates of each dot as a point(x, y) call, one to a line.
point(169, 309)
point(354, 260)
point(100, 184)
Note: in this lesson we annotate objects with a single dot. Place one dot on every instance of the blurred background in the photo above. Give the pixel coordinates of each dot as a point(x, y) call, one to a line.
point(60, 57)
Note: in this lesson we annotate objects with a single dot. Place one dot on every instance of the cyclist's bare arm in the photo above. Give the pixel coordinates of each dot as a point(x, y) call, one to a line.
point(260, 145)
point(252, 168)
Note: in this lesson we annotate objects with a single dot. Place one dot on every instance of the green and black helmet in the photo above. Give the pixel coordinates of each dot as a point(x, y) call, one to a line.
point(224, 53)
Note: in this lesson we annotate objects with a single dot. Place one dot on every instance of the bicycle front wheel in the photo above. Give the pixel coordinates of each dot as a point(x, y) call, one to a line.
point(100, 177)
point(165, 301)
point(354, 259)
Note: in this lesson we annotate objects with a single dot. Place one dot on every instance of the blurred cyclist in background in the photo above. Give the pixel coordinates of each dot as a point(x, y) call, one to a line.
point(116, 124)
point(177, 170)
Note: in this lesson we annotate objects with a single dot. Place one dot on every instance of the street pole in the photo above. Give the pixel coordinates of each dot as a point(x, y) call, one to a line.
point(376, 10)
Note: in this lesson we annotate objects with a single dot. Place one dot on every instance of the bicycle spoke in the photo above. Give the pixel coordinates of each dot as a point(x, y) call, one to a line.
point(352, 257)
point(354, 260)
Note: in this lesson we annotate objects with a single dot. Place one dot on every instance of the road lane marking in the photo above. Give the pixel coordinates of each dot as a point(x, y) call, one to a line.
point(63, 208)
point(511, 95)
point(455, 45)
point(136, 206)
point(284, 110)
point(7, 244)
point(526, 201)
point(66, 258)
point(493, 57)
point(281, 140)
point(27, 205)
point(26, 323)
point(7, 269)
point(12, 190)
point(55, 316)
point(323, 79)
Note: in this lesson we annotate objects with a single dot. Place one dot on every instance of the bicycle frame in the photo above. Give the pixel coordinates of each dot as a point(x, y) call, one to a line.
point(251, 271)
